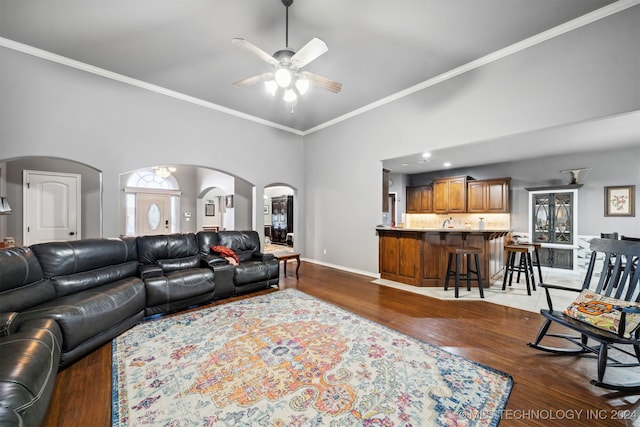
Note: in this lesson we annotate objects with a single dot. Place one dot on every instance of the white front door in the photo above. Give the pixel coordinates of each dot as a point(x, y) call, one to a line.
point(153, 213)
point(51, 207)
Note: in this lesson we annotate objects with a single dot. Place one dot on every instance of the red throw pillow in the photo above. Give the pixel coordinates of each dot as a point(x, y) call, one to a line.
point(225, 252)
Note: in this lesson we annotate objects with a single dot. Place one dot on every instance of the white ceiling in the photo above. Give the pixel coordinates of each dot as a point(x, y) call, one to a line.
point(377, 48)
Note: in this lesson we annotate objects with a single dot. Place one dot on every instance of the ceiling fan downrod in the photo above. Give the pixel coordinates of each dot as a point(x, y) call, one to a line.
point(286, 4)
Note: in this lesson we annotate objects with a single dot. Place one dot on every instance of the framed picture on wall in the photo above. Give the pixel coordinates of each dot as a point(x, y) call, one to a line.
point(266, 209)
point(228, 201)
point(210, 209)
point(620, 200)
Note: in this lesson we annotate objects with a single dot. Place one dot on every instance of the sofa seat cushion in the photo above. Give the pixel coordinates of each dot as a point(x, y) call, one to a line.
point(28, 370)
point(179, 285)
point(255, 271)
point(86, 314)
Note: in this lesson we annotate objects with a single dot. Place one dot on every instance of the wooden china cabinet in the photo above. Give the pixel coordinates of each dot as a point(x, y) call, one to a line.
point(281, 218)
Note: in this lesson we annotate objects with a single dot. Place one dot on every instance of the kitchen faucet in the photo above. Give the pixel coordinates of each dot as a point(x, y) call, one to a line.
point(446, 221)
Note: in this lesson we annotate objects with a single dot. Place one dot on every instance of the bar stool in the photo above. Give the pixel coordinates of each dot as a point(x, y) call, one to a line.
point(458, 253)
point(535, 263)
point(525, 265)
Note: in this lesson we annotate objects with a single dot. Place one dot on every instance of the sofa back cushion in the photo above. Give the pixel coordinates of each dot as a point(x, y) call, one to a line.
point(72, 283)
point(84, 264)
point(22, 283)
point(64, 258)
point(162, 249)
point(243, 243)
point(207, 239)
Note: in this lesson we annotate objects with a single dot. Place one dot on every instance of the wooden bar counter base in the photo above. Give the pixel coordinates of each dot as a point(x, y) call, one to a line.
point(417, 256)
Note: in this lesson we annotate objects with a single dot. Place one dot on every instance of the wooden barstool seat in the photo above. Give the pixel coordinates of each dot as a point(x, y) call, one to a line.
point(536, 260)
point(525, 266)
point(458, 253)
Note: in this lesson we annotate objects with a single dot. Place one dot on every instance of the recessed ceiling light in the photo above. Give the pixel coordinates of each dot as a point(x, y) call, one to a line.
point(426, 155)
point(447, 164)
point(405, 164)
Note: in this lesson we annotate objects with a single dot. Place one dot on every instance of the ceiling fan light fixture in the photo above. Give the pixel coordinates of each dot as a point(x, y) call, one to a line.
point(271, 86)
point(283, 77)
point(302, 85)
point(164, 172)
point(289, 95)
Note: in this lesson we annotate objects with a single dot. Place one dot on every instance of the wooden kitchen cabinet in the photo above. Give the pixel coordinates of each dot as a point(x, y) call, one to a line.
point(450, 195)
point(400, 255)
point(419, 199)
point(488, 196)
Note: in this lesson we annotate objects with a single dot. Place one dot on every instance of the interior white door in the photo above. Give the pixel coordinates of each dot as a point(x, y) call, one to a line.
point(153, 212)
point(51, 207)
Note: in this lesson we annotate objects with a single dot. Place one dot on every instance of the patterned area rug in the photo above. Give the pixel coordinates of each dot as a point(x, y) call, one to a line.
point(289, 359)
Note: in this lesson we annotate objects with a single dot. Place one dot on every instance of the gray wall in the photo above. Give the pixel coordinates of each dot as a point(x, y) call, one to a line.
point(52, 110)
point(545, 171)
point(589, 73)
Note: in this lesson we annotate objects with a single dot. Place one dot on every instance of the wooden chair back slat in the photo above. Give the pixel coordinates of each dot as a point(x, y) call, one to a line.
point(619, 276)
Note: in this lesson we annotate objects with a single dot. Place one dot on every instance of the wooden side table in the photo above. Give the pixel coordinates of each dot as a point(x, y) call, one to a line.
point(284, 256)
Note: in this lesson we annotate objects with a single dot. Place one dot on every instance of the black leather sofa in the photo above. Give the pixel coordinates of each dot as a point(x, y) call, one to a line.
point(59, 301)
point(255, 271)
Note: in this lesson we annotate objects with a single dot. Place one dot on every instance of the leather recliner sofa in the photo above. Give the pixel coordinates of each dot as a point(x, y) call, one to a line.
point(255, 270)
point(62, 300)
point(172, 272)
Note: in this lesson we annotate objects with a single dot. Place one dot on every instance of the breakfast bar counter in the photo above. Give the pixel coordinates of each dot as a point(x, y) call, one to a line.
point(416, 256)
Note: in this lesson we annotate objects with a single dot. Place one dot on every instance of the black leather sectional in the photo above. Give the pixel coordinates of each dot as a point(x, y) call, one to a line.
point(59, 301)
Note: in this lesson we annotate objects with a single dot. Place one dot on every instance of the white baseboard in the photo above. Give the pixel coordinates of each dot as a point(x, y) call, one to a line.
point(343, 268)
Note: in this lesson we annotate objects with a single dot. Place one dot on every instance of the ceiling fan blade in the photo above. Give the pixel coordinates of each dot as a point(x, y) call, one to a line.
point(255, 50)
point(253, 80)
point(323, 82)
point(309, 52)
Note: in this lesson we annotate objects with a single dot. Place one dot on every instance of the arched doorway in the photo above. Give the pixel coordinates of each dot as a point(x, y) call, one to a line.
point(152, 203)
point(12, 187)
point(279, 216)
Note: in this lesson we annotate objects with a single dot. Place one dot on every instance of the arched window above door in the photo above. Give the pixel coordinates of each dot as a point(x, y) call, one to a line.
point(147, 178)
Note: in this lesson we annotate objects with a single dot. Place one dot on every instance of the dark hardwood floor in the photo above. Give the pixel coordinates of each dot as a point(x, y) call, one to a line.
point(548, 390)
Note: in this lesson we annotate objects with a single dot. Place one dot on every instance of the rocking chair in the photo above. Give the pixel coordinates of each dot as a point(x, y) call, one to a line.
point(607, 311)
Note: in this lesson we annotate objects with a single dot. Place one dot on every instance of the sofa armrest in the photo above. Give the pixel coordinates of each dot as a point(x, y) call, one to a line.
point(259, 256)
point(213, 260)
point(223, 277)
point(7, 323)
point(149, 270)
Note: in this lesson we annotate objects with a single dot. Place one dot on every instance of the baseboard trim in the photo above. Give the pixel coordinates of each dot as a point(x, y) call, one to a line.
point(342, 267)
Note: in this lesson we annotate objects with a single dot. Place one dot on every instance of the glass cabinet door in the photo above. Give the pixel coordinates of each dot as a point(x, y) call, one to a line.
point(541, 217)
point(552, 224)
point(553, 218)
point(563, 217)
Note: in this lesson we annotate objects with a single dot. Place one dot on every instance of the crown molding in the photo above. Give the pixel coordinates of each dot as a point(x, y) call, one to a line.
point(559, 30)
point(63, 60)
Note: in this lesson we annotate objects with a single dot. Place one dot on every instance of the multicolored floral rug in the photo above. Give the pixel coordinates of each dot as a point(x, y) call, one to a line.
point(289, 359)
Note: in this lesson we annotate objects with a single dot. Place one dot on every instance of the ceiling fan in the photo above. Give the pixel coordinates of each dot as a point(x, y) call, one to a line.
point(286, 76)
